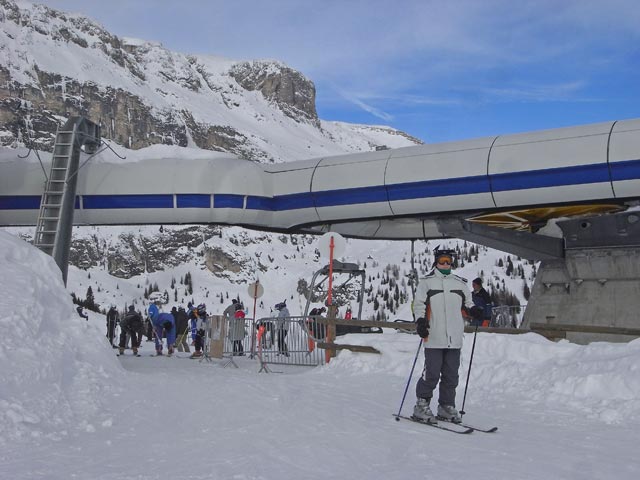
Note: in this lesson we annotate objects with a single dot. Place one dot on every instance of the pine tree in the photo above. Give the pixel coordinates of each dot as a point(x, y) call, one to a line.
point(90, 302)
point(509, 271)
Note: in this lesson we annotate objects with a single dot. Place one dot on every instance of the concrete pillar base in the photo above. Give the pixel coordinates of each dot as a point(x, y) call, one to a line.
point(594, 287)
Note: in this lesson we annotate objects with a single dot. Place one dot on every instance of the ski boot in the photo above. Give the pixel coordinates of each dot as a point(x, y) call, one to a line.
point(135, 351)
point(422, 411)
point(158, 352)
point(120, 351)
point(449, 414)
point(170, 351)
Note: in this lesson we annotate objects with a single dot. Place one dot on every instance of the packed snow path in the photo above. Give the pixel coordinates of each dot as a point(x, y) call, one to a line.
point(69, 408)
point(180, 418)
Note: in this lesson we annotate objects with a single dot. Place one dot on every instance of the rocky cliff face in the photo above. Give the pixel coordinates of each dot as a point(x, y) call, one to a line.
point(150, 98)
point(287, 88)
point(131, 254)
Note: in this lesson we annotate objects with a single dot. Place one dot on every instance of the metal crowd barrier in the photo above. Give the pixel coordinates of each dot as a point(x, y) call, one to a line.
point(507, 316)
point(283, 341)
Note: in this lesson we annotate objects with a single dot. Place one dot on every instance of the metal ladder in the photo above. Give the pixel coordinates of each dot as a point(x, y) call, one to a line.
point(55, 219)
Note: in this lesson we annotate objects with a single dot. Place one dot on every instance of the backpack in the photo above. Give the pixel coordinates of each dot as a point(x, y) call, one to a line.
point(131, 321)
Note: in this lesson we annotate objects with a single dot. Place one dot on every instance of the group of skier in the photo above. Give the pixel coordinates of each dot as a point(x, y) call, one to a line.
point(176, 326)
point(173, 326)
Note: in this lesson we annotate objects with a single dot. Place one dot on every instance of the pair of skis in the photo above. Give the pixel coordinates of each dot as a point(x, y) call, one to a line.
point(461, 428)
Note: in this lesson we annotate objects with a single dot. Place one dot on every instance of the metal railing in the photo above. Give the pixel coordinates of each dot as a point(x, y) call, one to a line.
point(272, 340)
point(507, 316)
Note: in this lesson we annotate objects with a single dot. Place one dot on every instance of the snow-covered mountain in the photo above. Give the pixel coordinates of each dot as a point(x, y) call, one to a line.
point(123, 265)
point(57, 64)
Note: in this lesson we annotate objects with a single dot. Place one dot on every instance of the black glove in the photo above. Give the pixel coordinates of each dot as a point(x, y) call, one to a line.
point(476, 312)
point(422, 327)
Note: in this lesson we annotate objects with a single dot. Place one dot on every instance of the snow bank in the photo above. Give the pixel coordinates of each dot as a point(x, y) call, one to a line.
point(600, 380)
point(55, 367)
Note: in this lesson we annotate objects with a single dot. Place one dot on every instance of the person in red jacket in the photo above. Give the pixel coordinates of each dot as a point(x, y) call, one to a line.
point(237, 331)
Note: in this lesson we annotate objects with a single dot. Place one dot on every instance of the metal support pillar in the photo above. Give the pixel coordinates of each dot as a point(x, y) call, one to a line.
point(55, 219)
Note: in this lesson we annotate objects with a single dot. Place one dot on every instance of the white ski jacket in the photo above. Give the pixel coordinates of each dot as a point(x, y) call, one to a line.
point(440, 298)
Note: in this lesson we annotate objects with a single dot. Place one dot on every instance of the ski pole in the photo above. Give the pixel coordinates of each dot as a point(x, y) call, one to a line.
point(409, 380)
point(473, 348)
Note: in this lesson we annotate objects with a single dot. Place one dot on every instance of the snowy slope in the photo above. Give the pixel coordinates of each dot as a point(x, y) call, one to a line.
point(71, 409)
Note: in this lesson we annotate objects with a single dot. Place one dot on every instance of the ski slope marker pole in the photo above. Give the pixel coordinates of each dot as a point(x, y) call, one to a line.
point(473, 348)
point(409, 380)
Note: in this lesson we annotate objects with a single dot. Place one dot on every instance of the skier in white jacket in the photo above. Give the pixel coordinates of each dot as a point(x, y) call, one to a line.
point(442, 302)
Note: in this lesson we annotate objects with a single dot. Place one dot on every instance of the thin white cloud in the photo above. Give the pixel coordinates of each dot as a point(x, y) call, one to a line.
point(536, 93)
point(376, 112)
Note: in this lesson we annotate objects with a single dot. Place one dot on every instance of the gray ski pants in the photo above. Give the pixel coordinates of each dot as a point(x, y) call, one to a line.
point(440, 364)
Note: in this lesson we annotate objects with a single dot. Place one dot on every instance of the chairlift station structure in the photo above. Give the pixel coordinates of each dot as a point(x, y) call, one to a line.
point(498, 191)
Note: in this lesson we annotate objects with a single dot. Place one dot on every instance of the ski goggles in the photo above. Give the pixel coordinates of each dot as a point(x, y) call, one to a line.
point(444, 260)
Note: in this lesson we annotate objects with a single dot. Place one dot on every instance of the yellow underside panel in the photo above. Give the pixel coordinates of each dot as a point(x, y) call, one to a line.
point(532, 219)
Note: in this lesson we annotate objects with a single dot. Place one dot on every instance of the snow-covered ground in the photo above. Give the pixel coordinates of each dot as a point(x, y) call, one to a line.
point(69, 408)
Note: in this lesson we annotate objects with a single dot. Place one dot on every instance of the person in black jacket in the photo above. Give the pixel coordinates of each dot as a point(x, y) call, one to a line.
point(182, 329)
point(316, 328)
point(482, 299)
point(112, 320)
point(131, 325)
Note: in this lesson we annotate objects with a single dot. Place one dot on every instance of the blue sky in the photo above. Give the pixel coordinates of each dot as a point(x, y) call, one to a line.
point(438, 70)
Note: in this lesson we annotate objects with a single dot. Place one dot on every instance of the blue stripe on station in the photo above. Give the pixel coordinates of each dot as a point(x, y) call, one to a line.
point(439, 188)
point(551, 177)
point(293, 201)
point(260, 203)
point(228, 200)
point(348, 196)
point(193, 200)
point(23, 202)
point(627, 170)
point(100, 202)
